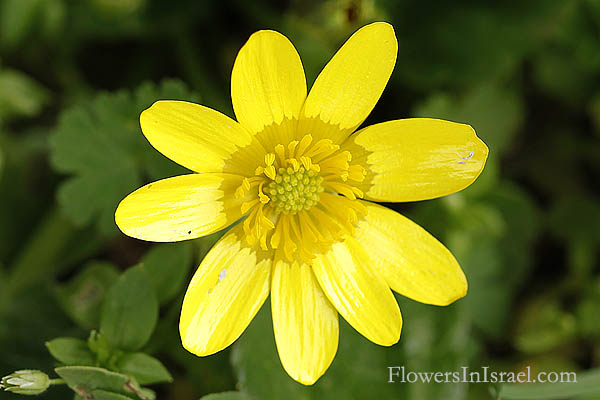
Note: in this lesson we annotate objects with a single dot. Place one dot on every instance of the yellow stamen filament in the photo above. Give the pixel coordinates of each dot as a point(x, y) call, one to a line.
point(291, 147)
point(247, 184)
point(356, 173)
point(263, 199)
point(304, 143)
point(280, 151)
point(247, 205)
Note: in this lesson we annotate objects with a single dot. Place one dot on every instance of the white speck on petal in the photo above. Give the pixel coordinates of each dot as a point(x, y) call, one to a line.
point(222, 274)
point(471, 154)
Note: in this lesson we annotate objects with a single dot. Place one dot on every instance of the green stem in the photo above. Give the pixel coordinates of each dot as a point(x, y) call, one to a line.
point(57, 381)
point(39, 257)
point(581, 259)
point(53, 246)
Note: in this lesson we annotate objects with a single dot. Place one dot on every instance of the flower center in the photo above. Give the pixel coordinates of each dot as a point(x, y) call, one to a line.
point(293, 191)
point(302, 199)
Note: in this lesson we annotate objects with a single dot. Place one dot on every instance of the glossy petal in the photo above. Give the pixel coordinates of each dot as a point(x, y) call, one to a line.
point(180, 208)
point(192, 135)
point(304, 321)
point(226, 292)
point(413, 263)
point(267, 81)
point(417, 158)
point(351, 83)
point(358, 292)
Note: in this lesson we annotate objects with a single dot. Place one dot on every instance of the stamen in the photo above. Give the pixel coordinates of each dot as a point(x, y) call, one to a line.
point(289, 247)
point(276, 238)
point(263, 199)
point(270, 171)
point(306, 228)
point(269, 159)
point(280, 151)
point(357, 173)
point(322, 149)
point(295, 163)
point(334, 229)
point(291, 147)
point(247, 205)
point(291, 210)
point(304, 143)
point(342, 188)
point(247, 184)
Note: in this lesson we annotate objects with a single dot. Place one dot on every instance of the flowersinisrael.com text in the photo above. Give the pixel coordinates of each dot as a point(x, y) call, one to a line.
point(399, 374)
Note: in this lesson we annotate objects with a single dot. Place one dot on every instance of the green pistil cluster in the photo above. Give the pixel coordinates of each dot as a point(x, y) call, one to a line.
point(293, 191)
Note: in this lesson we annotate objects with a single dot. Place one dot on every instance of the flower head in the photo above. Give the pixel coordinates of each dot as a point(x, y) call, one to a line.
point(26, 381)
point(301, 180)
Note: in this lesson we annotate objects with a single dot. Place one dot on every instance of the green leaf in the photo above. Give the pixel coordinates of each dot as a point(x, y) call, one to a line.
point(145, 369)
point(486, 234)
point(542, 325)
point(71, 351)
point(86, 380)
point(82, 297)
point(130, 311)
point(226, 396)
point(104, 395)
point(586, 385)
point(588, 322)
point(20, 96)
point(99, 394)
point(99, 144)
point(168, 266)
point(53, 18)
point(146, 394)
point(17, 17)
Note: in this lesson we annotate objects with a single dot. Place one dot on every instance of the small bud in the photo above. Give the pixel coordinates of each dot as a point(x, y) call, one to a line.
point(26, 381)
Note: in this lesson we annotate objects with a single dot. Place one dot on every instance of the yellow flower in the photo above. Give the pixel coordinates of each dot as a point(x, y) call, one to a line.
point(294, 169)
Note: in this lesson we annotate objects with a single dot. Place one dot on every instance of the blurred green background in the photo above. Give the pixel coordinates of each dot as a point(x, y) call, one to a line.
point(75, 74)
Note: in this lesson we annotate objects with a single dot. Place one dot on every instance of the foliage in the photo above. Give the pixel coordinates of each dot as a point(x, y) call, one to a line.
point(85, 304)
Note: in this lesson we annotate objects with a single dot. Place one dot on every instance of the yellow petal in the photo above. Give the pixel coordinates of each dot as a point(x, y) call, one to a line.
point(358, 292)
point(180, 208)
point(192, 135)
point(417, 158)
point(226, 292)
point(267, 81)
point(349, 86)
point(304, 321)
point(412, 261)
